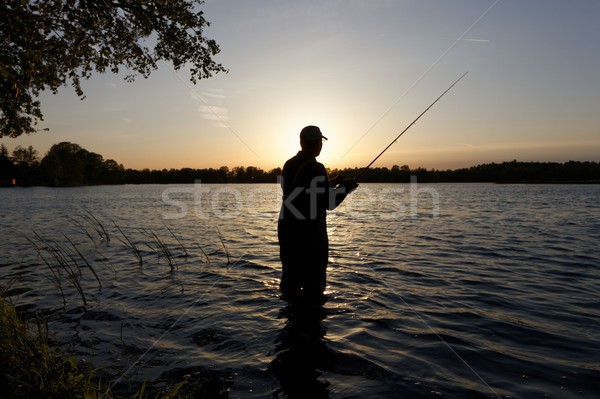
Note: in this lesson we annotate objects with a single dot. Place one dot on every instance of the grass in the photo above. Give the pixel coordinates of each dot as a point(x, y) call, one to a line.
point(64, 259)
point(224, 247)
point(185, 252)
point(98, 226)
point(161, 248)
point(129, 243)
point(30, 368)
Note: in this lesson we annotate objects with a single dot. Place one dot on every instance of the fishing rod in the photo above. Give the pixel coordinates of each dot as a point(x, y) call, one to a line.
point(408, 127)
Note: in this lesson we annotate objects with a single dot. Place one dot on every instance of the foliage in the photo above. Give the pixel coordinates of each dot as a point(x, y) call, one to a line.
point(27, 155)
point(67, 164)
point(30, 369)
point(46, 44)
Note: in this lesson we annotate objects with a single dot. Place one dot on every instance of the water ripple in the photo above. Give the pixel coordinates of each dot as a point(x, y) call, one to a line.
point(496, 296)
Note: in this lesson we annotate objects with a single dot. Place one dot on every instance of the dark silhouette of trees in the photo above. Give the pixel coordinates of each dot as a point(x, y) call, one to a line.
point(48, 44)
point(27, 155)
point(68, 164)
point(6, 166)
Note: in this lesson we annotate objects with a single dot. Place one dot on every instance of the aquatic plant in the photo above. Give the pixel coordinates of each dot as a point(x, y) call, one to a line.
point(161, 248)
point(97, 224)
point(73, 263)
point(89, 266)
point(30, 368)
point(185, 252)
point(57, 257)
point(83, 229)
point(203, 253)
point(224, 247)
point(56, 273)
point(129, 243)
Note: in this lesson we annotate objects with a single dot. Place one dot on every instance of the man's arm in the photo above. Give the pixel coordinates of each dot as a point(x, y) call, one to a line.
point(339, 193)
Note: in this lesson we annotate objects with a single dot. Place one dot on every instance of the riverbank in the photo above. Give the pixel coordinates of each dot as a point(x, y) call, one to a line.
point(32, 367)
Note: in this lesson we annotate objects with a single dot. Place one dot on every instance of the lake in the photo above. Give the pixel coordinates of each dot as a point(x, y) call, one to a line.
point(441, 290)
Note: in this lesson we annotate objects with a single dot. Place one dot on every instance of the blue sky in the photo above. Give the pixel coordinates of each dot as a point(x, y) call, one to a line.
point(362, 71)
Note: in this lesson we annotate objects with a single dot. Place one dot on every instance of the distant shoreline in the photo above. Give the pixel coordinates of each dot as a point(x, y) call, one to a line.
point(550, 182)
point(69, 165)
point(532, 182)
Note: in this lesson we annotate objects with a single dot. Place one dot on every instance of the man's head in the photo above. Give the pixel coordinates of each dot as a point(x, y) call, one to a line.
point(311, 139)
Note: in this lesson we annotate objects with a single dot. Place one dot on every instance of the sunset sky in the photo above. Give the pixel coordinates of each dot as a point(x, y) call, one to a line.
point(362, 71)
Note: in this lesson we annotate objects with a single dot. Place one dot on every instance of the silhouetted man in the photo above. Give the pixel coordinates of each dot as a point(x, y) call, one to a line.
point(302, 227)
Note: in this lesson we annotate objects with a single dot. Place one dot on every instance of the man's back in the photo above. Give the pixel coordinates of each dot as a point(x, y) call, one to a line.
point(302, 227)
point(305, 189)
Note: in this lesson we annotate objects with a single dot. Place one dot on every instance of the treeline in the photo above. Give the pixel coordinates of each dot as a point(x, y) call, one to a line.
point(67, 164)
point(505, 172)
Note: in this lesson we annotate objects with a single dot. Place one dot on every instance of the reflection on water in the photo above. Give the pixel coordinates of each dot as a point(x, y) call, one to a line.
point(301, 352)
point(496, 296)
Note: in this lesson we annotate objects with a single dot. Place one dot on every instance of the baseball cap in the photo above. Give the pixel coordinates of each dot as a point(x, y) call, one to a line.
point(311, 133)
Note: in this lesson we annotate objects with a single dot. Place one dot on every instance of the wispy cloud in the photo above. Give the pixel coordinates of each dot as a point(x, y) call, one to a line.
point(214, 113)
point(126, 119)
point(218, 94)
point(211, 106)
point(219, 97)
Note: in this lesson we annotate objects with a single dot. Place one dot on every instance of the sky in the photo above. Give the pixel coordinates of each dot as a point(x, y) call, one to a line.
point(361, 70)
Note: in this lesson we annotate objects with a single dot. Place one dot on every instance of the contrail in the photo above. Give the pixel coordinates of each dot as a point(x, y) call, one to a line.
point(475, 40)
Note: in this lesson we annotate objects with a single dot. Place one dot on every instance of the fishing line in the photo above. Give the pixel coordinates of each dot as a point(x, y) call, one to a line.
point(421, 77)
point(408, 127)
point(211, 109)
point(124, 375)
point(384, 282)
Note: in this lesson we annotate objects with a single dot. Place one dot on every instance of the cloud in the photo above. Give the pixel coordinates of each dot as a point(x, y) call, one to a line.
point(211, 105)
point(214, 113)
point(214, 93)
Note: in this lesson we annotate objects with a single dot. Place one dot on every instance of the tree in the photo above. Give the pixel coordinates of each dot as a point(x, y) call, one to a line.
point(65, 164)
point(47, 44)
point(27, 155)
point(6, 165)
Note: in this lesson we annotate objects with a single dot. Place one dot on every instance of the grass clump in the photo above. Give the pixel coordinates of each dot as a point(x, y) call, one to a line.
point(30, 368)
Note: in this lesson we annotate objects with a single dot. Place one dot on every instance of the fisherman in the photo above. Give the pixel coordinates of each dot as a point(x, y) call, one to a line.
point(302, 227)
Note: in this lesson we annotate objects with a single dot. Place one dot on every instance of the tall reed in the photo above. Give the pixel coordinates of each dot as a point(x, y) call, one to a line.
point(224, 246)
point(185, 252)
point(61, 258)
point(129, 243)
point(30, 369)
point(97, 224)
point(161, 248)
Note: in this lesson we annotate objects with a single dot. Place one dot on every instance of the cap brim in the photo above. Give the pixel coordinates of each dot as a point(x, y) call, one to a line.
point(323, 137)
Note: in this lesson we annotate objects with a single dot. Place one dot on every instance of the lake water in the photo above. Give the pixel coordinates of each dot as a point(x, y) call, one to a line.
point(447, 290)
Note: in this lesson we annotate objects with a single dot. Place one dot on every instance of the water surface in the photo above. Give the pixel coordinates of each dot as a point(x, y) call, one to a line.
point(447, 290)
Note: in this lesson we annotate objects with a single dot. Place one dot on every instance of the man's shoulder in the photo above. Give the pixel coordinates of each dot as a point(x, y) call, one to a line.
point(300, 164)
point(317, 166)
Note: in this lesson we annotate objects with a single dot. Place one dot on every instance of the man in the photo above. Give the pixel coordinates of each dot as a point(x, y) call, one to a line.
point(302, 227)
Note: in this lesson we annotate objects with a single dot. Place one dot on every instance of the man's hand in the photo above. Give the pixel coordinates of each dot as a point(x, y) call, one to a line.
point(337, 180)
point(349, 184)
